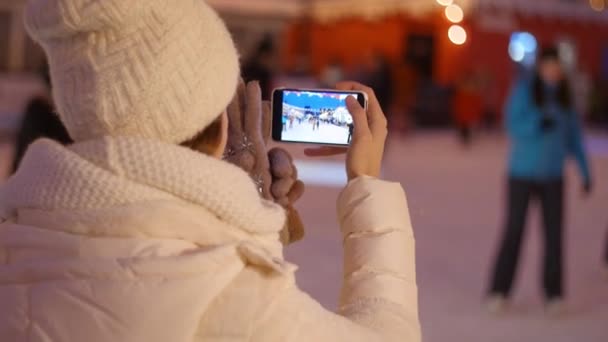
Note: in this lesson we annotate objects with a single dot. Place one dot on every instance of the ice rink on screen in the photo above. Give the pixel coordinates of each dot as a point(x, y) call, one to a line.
point(315, 117)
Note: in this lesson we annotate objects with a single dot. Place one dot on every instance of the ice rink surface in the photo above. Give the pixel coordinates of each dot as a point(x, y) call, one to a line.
point(327, 133)
point(455, 200)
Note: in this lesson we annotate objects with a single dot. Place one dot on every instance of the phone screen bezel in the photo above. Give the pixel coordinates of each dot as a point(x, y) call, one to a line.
point(277, 111)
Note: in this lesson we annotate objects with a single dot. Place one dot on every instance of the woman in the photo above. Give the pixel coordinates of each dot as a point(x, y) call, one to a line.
point(544, 131)
point(138, 231)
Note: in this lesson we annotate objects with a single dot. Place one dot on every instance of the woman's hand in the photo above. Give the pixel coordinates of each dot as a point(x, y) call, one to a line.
point(364, 156)
point(273, 171)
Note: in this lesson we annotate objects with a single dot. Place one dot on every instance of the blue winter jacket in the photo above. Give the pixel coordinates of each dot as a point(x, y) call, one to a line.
point(539, 153)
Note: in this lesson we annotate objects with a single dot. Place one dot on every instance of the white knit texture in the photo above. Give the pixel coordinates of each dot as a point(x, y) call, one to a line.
point(111, 172)
point(160, 69)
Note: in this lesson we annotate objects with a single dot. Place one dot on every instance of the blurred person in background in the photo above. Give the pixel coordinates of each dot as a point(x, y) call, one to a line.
point(544, 130)
point(260, 66)
point(376, 72)
point(140, 231)
point(489, 93)
point(406, 79)
point(382, 80)
point(331, 75)
point(467, 107)
point(39, 121)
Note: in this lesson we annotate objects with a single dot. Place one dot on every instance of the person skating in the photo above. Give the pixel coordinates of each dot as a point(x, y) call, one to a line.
point(139, 231)
point(544, 130)
point(467, 108)
point(351, 128)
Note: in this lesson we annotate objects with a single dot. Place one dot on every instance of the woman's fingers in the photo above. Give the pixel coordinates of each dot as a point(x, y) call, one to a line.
point(253, 132)
point(375, 115)
point(365, 153)
point(241, 91)
point(235, 117)
point(325, 151)
point(372, 100)
point(296, 192)
point(359, 118)
point(281, 187)
point(281, 165)
point(252, 117)
point(294, 225)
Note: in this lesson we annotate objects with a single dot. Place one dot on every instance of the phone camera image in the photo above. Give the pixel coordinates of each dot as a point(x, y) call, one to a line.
point(316, 117)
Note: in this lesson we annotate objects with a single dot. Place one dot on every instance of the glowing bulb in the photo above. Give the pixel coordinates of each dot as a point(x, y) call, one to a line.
point(527, 41)
point(522, 48)
point(597, 5)
point(517, 52)
point(457, 34)
point(454, 13)
point(445, 2)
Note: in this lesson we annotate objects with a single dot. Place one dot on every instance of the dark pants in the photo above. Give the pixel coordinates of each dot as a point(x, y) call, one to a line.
point(466, 134)
point(520, 192)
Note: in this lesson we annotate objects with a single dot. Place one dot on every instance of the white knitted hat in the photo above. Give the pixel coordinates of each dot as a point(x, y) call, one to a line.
point(160, 69)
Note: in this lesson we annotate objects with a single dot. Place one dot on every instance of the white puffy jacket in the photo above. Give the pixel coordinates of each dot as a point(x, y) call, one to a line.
point(123, 239)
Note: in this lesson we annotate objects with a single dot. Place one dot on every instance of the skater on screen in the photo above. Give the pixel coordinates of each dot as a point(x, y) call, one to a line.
point(284, 120)
point(351, 128)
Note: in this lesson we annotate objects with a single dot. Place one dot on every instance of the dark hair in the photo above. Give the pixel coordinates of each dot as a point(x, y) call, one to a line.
point(207, 140)
point(549, 53)
point(265, 46)
point(45, 74)
point(564, 97)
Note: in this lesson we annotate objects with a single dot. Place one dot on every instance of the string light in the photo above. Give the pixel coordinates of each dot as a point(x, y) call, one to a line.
point(445, 2)
point(454, 13)
point(457, 34)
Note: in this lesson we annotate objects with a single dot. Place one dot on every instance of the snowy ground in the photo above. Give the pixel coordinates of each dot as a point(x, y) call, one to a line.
point(455, 199)
point(327, 133)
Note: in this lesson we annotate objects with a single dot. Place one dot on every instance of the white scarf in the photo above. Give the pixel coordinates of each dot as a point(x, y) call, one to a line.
point(107, 174)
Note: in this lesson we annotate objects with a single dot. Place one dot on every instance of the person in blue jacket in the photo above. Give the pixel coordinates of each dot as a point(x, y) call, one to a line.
point(544, 131)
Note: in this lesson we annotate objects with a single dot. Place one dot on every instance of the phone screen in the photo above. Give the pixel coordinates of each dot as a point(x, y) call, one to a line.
point(313, 116)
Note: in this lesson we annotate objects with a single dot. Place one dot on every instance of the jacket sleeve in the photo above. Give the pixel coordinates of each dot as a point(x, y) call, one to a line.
point(519, 122)
point(379, 296)
point(575, 146)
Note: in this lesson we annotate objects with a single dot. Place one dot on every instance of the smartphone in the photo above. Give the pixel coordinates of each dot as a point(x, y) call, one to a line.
point(313, 116)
